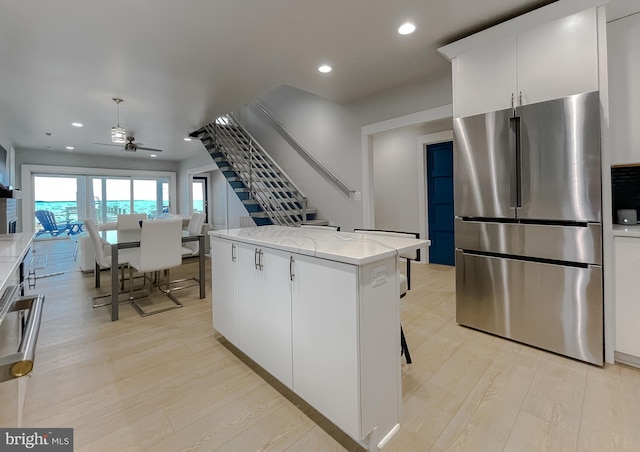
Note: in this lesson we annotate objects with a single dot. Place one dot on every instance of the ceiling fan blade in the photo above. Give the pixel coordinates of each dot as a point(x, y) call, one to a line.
point(109, 144)
point(147, 149)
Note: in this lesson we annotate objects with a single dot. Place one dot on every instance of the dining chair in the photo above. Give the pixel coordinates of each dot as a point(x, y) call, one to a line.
point(194, 228)
point(128, 221)
point(102, 251)
point(405, 278)
point(160, 250)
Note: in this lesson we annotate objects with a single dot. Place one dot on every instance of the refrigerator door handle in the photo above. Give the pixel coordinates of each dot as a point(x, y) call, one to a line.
point(516, 163)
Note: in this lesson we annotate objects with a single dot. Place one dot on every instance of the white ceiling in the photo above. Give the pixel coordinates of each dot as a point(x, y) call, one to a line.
point(180, 64)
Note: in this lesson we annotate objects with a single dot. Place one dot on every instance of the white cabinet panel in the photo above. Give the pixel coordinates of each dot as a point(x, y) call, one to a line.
point(325, 339)
point(555, 60)
point(627, 288)
point(623, 41)
point(558, 59)
point(224, 280)
point(484, 79)
point(264, 309)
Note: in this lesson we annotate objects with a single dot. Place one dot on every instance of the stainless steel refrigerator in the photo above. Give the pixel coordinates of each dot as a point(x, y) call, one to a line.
point(528, 225)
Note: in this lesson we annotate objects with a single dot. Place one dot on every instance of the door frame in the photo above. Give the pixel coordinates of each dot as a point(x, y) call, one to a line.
point(201, 171)
point(207, 183)
point(367, 137)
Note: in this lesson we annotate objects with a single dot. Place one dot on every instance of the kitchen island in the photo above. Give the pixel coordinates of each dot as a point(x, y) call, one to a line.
point(319, 310)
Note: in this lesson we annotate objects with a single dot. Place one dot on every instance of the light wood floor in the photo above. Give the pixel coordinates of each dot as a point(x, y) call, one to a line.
point(169, 383)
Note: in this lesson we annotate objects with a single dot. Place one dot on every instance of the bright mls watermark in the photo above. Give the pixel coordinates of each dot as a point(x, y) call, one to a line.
point(36, 439)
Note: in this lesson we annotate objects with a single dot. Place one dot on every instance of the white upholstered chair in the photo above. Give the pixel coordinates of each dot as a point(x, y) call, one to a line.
point(194, 228)
point(102, 251)
point(160, 249)
point(405, 278)
point(128, 221)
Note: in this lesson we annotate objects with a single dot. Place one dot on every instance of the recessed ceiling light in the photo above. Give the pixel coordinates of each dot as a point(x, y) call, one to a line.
point(187, 139)
point(153, 156)
point(71, 148)
point(407, 28)
point(77, 124)
point(324, 68)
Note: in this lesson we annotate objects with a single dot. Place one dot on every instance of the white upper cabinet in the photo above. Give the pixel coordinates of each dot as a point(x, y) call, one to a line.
point(546, 62)
point(558, 59)
point(485, 79)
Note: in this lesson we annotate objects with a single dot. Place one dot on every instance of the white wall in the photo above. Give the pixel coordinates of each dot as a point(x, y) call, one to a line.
point(398, 164)
point(623, 42)
point(328, 131)
point(227, 209)
point(403, 100)
point(69, 159)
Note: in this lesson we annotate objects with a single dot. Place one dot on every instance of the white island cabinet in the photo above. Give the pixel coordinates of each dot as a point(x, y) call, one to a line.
point(319, 311)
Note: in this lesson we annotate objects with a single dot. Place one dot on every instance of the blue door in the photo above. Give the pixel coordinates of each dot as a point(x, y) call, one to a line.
point(440, 203)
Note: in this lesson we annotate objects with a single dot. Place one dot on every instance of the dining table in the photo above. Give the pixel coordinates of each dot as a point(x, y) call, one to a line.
point(124, 239)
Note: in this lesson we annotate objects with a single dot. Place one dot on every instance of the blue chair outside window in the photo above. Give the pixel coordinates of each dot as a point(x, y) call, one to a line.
point(50, 226)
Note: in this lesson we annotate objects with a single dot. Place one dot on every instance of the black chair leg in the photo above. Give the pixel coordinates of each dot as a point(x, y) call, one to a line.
point(403, 346)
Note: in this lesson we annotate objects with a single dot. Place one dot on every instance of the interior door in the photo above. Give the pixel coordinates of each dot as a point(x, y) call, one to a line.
point(440, 203)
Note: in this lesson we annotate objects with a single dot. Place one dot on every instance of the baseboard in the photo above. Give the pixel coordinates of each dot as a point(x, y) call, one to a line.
point(629, 360)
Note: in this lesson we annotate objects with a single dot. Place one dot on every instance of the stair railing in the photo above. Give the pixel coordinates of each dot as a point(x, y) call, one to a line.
point(266, 182)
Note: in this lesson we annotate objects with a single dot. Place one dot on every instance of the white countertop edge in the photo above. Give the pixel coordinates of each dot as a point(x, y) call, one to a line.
point(293, 244)
point(621, 230)
point(22, 242)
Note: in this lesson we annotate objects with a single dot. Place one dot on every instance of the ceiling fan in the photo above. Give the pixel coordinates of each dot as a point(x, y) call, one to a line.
point(131, 146)
point(118, 135)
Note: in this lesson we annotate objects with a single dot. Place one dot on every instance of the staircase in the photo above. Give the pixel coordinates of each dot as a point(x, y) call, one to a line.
point(268, 194)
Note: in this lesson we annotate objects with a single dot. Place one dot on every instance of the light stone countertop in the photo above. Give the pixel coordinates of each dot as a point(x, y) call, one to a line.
point(348, 247)
point(13, 249)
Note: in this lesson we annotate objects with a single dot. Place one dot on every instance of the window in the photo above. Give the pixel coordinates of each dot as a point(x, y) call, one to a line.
point(78, 193)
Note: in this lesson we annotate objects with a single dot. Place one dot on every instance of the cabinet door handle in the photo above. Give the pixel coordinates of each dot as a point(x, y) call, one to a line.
point(255, 258)
point(291, 273)
point(233, 252)
point(259, 262)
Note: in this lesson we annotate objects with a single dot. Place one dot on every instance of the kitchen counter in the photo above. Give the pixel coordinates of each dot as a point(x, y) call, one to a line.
point(13, 249)
point(347, 247)
point(621, 230)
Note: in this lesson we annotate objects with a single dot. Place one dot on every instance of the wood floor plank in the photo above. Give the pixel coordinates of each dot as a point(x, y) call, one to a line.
point(557, 392)
point(485, 419)
point(532, 433)
point(169, 382)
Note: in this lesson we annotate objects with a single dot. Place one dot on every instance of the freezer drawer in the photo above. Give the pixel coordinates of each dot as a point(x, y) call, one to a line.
point(553, 307)
point(575, 243)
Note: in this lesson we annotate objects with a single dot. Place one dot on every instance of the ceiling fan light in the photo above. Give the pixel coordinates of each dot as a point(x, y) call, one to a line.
point(118, 135)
